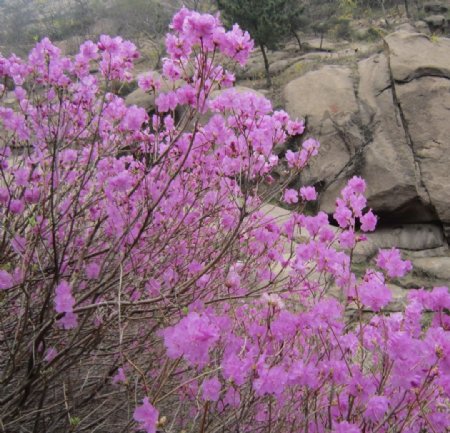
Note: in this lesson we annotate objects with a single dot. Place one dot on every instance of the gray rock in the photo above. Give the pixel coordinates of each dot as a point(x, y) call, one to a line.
point(399, 298)
point(330, 116)
point(406, 27)
point(425, 104)
point(337, 98)
point(413, 55)
point(388, 160)
point(409, 237)
point(141, 99)
point(393, 131)
point(435, 7)
point(432, 252)
point(438, 267)
point(422, 27)
point(436, 23)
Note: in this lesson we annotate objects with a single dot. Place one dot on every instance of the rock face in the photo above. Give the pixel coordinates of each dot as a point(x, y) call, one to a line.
point(389, 123)
point(435, 7)
point(414, 55)
point(436, 23)
point(141, 99)
point(326, 98)
point(414, 238)
point(437, 266)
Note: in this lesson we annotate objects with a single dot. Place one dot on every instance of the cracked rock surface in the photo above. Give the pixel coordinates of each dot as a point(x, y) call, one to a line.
point(388, 121)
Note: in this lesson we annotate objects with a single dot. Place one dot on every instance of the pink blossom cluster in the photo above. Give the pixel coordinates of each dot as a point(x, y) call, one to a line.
point(145, 234)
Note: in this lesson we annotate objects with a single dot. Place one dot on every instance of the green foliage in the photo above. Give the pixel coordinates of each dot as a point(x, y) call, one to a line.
point(342, 28)
point(268, 21)
point(74, 421)
point(347, 7)
point(375, 33)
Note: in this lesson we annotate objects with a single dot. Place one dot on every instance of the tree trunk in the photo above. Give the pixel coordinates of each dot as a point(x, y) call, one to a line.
point(266, 65)
point(407, 9)
point(321, 41)
point(384, 12)
point(294, 33)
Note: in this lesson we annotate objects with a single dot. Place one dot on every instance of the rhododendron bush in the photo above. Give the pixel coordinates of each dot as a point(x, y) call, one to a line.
point(144, 287)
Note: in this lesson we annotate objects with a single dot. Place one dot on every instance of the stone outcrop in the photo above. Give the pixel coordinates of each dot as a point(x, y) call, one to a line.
point(414, 55)
point(327, 100)
point(436, 23)
point(435, 7)
point(389, 123)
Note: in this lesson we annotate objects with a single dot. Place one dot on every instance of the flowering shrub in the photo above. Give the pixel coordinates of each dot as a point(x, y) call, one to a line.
point(142, 284)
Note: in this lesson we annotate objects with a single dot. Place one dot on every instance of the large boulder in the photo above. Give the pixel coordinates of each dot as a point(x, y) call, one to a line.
point(142, 99)
point(425, 104)
point(393, 130)
point(327, 100)
point(408, 237)
point(435, 8)
point(422, 27)
point(438, 267)
point(414, 55)
point(388, 161)
point(436, 23)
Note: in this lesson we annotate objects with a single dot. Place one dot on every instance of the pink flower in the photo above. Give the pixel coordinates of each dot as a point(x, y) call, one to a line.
point(308, 193)
point(199, 26)
point(68, 321)
point(16, 206)
point(4, 195)
point(295, 127)
point(147, 416)
point(120, 376)
point(21, 176)
point(236, 369)
point(440, 298)
point(290, 196)
point(232, 398)
point(134, 118)
point(50, 354)
point(92, 270)
point(345, 427)
point(391, 262)
point(347, 239)
point(6, 280)
point(357, 184)
point(368, 222)
point(192, 338)
point(343, 215)
point(179, 18)
point(171, 70)
point(377, 406)
point(311, 146)
point(167, 102)
point(89, 51)
point(270, 381)
point(373, 292)
point(186, 95)
point(148, 82)
point(32, 195)
point(122, 182)
point(211, 389)
point(64, 301)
